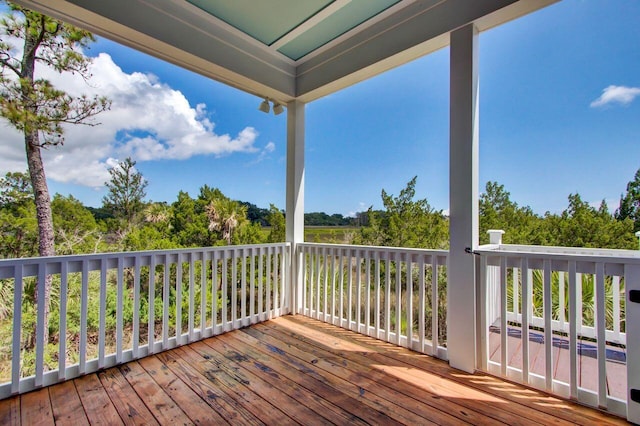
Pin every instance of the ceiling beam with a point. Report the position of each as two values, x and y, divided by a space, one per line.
310 23
181 35
415 31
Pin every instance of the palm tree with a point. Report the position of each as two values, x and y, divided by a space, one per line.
587 291
156 213
225 216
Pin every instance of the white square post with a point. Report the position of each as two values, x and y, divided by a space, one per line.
632 288
295 196
463 198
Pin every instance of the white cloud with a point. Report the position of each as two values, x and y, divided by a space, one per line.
270 147
148 121
264 153
616 94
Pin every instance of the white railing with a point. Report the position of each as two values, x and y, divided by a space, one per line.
547 309
393 294
614 296
101 313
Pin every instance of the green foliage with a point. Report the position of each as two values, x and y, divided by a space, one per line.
154 232
189 223
147 237
497 211
18 223
277 223
331 234
225 217
15 189
34 105
630 203
256 214
405 222
323 219
126 191
100 213
249 233
581 225
19 231
76 228
212 219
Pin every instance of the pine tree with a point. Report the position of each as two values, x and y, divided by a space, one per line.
126 191
630 203
35 107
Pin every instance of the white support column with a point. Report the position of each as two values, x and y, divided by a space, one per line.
632 284
295 195
463 198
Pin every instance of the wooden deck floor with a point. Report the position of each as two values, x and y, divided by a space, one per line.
292 370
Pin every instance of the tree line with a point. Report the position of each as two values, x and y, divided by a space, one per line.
407 222
126 222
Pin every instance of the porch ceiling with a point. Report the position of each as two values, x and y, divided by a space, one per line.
284 49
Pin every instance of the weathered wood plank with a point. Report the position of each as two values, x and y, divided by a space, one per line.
97 404
428 388
35 408
327 387
266 389
198 411
324 411
484 407
66 405
398 396
215 397
297 370
157 401
130 407
10 411
235 384
521 400
439 394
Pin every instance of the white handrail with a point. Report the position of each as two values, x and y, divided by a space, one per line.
379 291
525 290
114 282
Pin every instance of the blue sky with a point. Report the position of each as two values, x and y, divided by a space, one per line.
543 132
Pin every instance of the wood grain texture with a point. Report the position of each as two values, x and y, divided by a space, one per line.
198 411
293 370
131 408
97 404
35 408
66 405
164 409
10 411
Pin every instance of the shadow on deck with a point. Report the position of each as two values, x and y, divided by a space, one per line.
291 370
